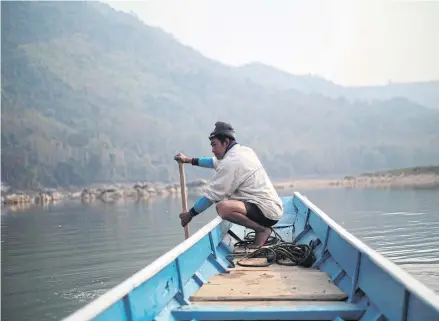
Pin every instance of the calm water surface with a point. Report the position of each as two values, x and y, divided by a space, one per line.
57 258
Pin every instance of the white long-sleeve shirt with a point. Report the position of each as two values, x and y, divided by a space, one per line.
241 176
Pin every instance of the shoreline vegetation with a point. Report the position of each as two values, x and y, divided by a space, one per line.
416 177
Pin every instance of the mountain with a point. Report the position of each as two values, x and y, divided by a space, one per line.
90 94
423 93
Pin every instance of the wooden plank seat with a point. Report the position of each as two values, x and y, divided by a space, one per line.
269 285
274 292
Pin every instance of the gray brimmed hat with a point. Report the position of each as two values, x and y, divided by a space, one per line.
222 128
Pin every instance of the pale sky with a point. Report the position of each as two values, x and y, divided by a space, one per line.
351 42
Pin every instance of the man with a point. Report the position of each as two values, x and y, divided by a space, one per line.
240 187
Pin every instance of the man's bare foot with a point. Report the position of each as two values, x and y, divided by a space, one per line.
261 237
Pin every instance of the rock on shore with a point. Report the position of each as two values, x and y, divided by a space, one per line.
106 194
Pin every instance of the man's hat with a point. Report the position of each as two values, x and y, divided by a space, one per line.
222 128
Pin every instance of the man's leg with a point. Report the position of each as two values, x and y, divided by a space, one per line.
235 212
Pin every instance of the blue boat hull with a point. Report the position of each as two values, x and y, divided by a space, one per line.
376 288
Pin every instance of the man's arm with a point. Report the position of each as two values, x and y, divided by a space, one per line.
207 162
224 183
200 206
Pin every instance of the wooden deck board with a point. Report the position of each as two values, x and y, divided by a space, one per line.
274 285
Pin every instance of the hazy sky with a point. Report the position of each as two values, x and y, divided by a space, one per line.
352 42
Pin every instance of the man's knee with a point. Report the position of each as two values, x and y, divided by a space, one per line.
228 207
223 209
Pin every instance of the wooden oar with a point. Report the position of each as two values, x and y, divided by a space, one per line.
183 196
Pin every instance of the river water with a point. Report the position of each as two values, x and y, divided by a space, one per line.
56 258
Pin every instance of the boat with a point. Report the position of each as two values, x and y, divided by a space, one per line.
214 275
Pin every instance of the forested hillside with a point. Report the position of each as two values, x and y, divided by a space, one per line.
90 94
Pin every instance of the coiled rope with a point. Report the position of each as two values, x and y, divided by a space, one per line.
276 250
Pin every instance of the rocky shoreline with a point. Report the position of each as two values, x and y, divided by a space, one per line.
105 194
145 191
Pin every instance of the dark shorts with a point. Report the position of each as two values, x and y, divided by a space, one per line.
255 214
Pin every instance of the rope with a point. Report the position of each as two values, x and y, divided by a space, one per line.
249 239
279 251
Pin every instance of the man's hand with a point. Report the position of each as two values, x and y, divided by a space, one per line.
185 218
181 158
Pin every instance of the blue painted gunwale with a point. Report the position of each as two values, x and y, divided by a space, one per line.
377 288
387 290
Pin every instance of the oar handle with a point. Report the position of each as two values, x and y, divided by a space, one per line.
183 196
